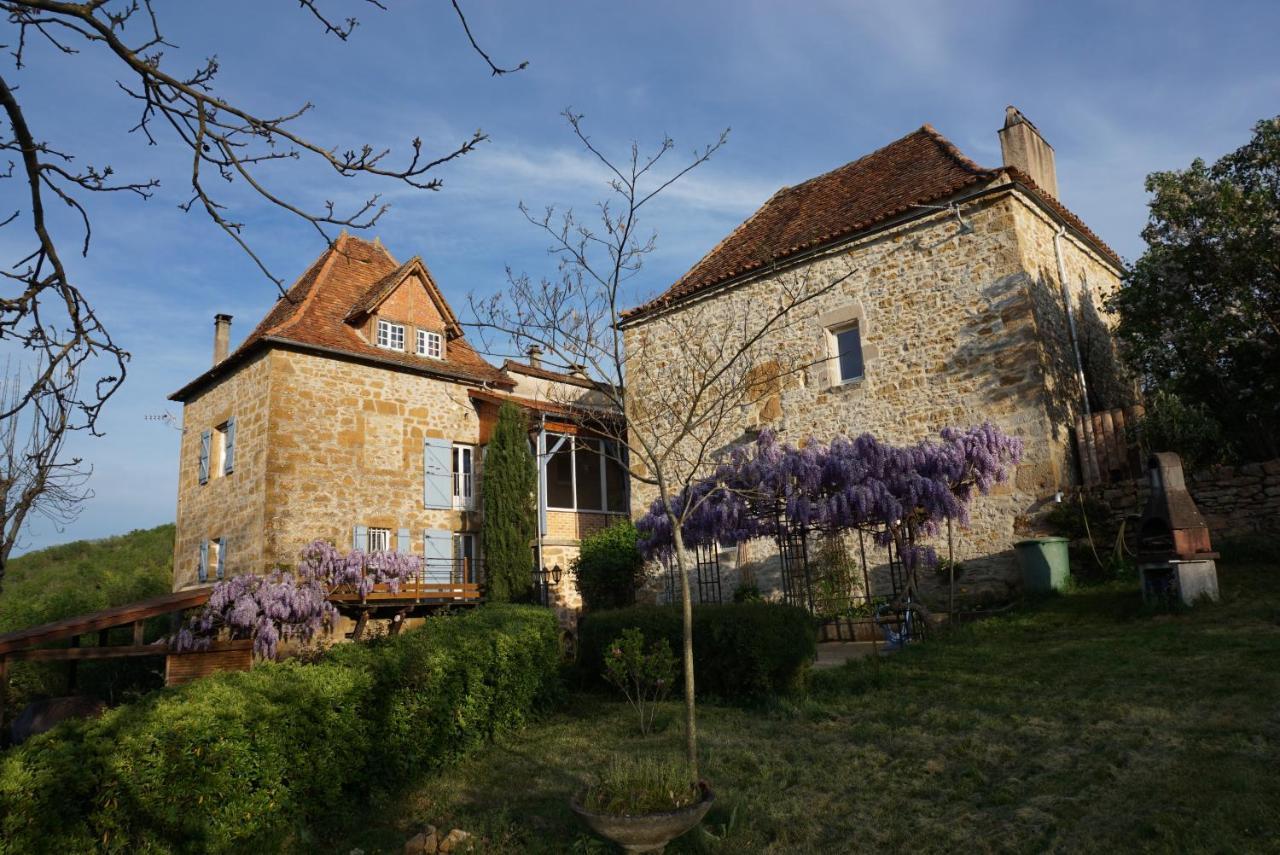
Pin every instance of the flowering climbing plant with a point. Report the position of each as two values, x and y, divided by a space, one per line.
898 493
292 604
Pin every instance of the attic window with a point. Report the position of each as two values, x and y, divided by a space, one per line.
430 344
390 336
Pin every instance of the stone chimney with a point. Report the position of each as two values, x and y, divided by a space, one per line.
221 337
578 370
535 355
1024 149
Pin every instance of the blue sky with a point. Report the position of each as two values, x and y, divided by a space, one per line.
1119 89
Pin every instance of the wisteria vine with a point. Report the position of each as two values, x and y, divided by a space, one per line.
292 605
898 493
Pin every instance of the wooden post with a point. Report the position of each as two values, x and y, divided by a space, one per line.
360 625
71 676
138 628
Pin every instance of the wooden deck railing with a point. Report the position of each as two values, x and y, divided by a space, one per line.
440 582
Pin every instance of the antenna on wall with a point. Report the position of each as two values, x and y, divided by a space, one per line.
167 418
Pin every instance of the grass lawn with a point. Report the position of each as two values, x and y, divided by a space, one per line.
1081 724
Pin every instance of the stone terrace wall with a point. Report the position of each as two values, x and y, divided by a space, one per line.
1235 500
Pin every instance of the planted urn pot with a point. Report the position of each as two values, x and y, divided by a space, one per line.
647 832
643 805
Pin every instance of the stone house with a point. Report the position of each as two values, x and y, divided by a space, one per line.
357 412
974 295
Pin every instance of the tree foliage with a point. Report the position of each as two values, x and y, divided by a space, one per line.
509 480
1200 310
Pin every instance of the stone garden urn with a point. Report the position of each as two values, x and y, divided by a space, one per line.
645 832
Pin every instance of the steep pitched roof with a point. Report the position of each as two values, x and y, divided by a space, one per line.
386 286
920 168
313 313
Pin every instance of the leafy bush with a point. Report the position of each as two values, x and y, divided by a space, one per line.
247 761
747 594
609 567
643 678
743 651
1190 429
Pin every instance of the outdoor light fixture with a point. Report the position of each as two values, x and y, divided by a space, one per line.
555 574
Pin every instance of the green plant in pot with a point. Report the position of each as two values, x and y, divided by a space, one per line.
642 804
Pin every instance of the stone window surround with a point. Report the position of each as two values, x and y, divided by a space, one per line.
838 320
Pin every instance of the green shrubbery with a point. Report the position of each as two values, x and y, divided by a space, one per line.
741 651
609 567
248 761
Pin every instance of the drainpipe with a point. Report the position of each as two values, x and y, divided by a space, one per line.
540 448
1090 460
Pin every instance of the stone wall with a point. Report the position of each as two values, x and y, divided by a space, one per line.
346 449
1234 500
956 330
230 506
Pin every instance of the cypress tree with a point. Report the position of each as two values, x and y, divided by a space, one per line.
509 480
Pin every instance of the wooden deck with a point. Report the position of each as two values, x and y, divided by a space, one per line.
413 594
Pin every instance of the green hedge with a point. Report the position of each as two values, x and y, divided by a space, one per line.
248 761
741 651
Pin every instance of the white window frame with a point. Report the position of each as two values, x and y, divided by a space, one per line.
377 540
464 482
573 472
430 344
833 338
390 336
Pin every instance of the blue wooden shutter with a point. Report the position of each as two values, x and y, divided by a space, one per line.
437 473
229 453
206 440
402 541
222 557
437 545
202 572
359 538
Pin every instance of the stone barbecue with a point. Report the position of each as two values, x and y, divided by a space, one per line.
1175 554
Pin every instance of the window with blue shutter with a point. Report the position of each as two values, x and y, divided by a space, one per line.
202 571
222 558
437 473
229 448
206 441
437 546
403 546
360 538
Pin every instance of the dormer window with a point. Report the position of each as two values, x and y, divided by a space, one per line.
390 336
430 344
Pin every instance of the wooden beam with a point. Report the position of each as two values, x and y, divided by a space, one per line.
75 654
106 619
138 628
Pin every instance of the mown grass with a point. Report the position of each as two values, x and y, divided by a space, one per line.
1083 723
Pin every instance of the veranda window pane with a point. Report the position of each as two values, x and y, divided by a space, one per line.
590 488
615 479
559 474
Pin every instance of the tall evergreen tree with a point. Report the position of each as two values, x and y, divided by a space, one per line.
509 480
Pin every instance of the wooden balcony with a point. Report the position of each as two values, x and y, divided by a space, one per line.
442 582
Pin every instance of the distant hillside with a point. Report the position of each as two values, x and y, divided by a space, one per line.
85 576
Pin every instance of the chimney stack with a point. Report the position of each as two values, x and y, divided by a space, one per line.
221 337
1023 148
535 355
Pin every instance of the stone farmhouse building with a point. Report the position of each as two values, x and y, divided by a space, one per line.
357 412
975 295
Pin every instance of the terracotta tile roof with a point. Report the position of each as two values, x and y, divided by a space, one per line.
551 408
314 310
920 168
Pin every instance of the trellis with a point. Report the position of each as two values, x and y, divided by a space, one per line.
706 587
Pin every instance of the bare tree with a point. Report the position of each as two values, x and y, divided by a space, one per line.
34 477
45 312
695 406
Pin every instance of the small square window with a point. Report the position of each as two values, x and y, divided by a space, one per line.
430 344
848 353
390 336
379 540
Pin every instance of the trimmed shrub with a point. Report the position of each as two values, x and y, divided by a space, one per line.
609 567
247 761
742 651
